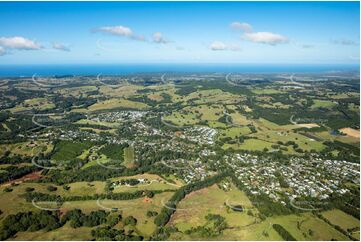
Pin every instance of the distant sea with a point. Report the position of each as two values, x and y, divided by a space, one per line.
122 69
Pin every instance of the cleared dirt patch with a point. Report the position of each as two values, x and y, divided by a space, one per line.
36 175
351 132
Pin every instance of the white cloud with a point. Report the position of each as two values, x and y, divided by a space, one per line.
265 38
60 46
2 51
120 31
219 46
258 37
116 30
19 43
242 26
158 38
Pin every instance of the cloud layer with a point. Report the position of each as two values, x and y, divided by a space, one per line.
158 38
60 46
220 46
241 26
258 37
127 32
120 31
19 43
2 51
265 38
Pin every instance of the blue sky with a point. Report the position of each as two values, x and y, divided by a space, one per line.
179 32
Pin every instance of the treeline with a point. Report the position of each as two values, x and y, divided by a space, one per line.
108 233
335 226
283 232
29 221
19 124
346 152
93 173
131 182
16 159
38 196
47 220
93 126
78 219
278 116
66 103
15 172
166 213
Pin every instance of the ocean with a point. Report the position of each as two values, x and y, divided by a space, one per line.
123 69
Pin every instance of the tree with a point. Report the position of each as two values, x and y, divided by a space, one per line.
152 213
149 194
8 189
29 189
51 188
130 220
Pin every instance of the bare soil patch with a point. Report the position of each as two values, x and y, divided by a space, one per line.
351 132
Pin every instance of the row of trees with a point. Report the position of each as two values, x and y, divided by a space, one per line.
110 234
29 221
38 196
15 159
337 227
50 220
14 172
283 232
78 219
